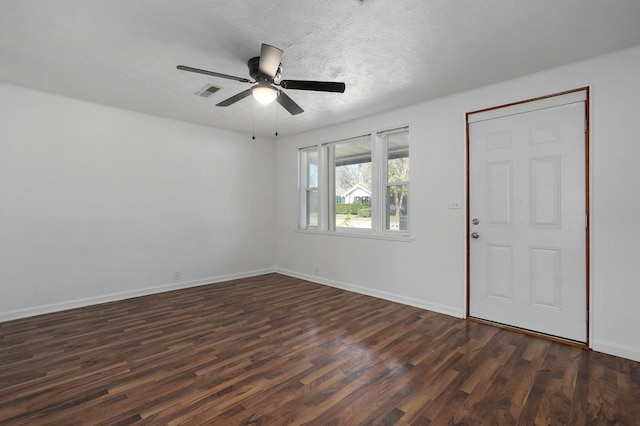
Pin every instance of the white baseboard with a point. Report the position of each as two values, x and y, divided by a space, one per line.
615 349
79 303
392 297
622 351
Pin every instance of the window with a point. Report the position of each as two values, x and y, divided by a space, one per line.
352 177
358 185
309 158
396 146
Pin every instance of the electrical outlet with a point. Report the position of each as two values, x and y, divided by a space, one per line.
317 270
177 275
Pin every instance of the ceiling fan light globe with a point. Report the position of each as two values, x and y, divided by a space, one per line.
264 95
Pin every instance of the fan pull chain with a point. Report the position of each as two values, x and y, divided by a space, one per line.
253 121
276 107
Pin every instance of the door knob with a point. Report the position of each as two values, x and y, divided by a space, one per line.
475 221
475 235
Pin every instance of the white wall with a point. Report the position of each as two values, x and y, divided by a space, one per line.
99 203
430 271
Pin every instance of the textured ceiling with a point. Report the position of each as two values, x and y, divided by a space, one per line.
390 53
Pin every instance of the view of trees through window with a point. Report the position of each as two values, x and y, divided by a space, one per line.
397 181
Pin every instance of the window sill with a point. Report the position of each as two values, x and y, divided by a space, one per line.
387 237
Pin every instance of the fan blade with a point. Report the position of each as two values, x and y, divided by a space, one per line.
215 74
318 86
288 103
235 98
270 58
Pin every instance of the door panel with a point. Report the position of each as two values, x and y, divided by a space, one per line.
527 188
499 193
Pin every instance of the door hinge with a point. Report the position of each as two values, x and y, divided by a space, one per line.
586 125
586 221
586 316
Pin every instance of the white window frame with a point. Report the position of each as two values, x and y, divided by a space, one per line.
329 166
303 167
326 189
384 181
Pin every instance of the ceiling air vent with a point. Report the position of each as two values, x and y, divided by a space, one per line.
207 91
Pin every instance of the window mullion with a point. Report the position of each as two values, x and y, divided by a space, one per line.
302 220
327 193
377 184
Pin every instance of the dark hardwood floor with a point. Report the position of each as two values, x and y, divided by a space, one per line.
275 350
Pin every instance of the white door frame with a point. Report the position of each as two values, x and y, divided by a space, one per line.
516 107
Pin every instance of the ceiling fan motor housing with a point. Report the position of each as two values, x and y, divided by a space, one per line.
259 77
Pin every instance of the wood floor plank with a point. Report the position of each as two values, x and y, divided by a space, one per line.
273 350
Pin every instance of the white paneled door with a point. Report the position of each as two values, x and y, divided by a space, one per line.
527 213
